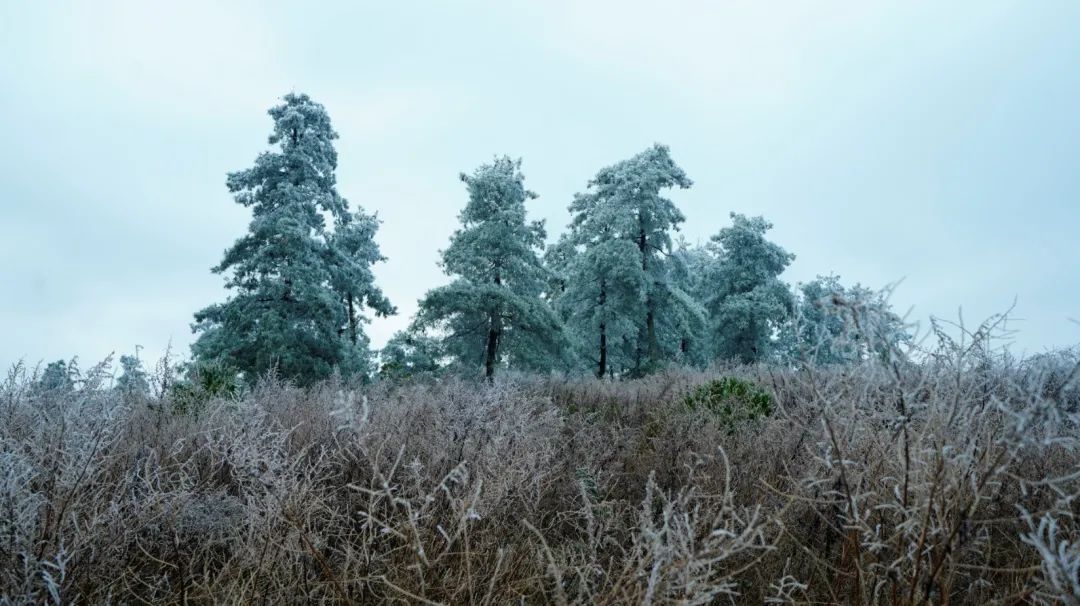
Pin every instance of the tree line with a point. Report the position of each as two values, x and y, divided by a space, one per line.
617 294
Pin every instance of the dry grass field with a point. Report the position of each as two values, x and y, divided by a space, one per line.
950 481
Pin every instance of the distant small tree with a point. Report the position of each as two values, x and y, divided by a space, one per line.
687 321
493 312
352 251
297 286
409 353
58 377
558 261
133 380
834 324
746 301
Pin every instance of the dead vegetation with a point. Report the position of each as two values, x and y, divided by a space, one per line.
950 481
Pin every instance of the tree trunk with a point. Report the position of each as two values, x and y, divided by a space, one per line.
650 319
492 350
650 332
352 320
602 367
641 243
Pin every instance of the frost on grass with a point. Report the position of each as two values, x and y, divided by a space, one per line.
886 482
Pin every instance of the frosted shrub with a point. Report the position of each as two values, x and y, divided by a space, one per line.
952 479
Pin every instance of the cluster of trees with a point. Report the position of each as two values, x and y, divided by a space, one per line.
616 295
61 378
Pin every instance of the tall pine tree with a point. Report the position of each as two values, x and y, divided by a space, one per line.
620 297
493 312
297 285
746 300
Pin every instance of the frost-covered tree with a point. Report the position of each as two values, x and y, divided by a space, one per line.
603 299
558 260
834 324
687 267
133 381
746 300
410 353
352 252
58 377
493 312
297 285
619 297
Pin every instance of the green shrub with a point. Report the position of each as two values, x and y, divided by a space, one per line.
204 382
733 401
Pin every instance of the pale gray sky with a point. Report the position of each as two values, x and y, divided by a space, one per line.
930 141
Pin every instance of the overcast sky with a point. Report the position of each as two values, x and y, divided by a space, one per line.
934 142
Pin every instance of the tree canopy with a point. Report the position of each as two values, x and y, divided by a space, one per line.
833 324
297 284
492 314
619 295
742 291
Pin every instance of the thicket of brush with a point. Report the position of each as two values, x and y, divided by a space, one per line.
954 480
